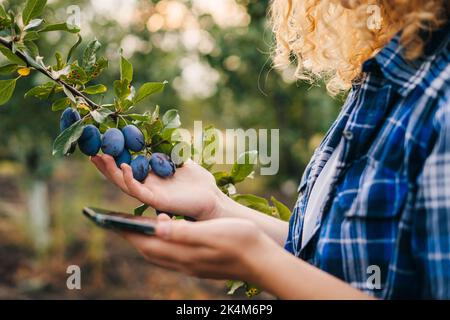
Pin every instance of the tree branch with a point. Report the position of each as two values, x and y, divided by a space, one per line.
32 63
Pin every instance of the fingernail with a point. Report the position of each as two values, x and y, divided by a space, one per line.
163 229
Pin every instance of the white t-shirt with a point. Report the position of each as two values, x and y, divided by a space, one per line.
319 192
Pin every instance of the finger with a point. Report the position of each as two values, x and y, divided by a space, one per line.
163 217
189 162
153 259
115 174
192 260
98 162
155 248
135 188
186 232
164 264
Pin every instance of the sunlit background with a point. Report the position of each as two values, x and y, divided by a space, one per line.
215 54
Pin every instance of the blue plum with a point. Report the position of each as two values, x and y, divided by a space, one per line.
113 142
90 140
162 165
134 139
68 117
140 167
124 157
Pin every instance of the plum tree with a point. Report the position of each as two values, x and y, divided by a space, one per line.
134 138
162 165
140 167
113 142
72 87
90 140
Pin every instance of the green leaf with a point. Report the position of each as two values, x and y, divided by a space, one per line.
167 133
8 69
126 69
244 166
122 89
6 90
100 114
33 24
42 91
11 56
77 75
5 23
64 26
138 211
69 94
153 128
98 67
33 9
5 19
59 61
96 89
110 106
254 202
155 114
3 14
283 211
233 285
60 104
222 178
31 35
27 47
171 119
90 54
109 123
163 147
69 136
148 89
31 48
138 117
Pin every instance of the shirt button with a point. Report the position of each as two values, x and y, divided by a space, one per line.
348 134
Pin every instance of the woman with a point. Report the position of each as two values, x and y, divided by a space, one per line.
373 215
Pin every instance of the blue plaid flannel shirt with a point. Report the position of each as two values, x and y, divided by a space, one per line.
387 216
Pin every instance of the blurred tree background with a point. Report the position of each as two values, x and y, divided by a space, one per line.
216 57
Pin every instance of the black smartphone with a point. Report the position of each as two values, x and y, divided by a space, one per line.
120 221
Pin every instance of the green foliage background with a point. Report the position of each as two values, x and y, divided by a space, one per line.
253 95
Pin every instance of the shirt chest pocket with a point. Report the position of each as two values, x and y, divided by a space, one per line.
372 191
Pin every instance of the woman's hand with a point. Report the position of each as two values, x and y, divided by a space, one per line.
237 249
226 248
192 191
246 248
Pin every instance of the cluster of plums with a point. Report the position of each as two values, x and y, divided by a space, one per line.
119 143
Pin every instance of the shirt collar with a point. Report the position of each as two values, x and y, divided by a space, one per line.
403 73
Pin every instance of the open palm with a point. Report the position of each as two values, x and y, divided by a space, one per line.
192 191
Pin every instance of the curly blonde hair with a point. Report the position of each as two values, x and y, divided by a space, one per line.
331 39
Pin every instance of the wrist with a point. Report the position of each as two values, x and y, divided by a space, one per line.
258 260
223 206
